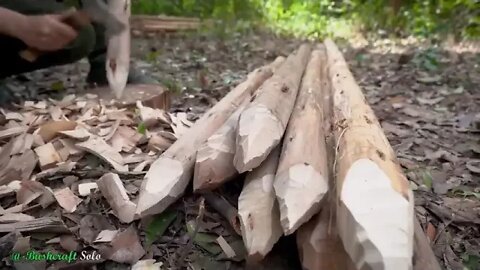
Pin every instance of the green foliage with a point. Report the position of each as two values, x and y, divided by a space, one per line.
159 225
319 18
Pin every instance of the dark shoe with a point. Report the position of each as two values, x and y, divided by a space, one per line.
98 76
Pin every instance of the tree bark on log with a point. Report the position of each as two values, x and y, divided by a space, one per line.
374 200
319 246
258 210
302 181
118 48
423 257
262 124
169 175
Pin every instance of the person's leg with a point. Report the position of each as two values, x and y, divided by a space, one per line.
11 62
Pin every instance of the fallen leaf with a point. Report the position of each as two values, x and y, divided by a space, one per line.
125 247
49 130
106 236
473 166
429 79
69 243
147 265
159 225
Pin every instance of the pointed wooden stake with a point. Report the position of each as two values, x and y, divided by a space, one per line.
214 164
258 210
423 257
263 122
319 246
302 176
375 203
170 174
118 48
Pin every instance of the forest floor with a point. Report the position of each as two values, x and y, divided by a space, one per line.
426 98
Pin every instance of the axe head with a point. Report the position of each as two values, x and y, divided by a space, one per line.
97 11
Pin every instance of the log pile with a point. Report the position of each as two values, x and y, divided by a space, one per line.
298 132
346 198
161 23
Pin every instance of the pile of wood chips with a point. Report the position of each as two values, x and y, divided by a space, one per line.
315 160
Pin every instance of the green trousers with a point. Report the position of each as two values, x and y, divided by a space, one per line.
89 43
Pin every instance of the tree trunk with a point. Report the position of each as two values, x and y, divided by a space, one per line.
263 122
170 174
301 181
374 200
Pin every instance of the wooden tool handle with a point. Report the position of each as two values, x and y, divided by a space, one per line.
74 18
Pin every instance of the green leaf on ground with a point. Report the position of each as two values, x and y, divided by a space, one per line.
470 262
57 86
159 225
205 240
427 179
142 129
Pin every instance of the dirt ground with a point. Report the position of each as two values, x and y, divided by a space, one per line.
426 97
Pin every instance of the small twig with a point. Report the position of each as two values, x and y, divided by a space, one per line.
224 208
189 245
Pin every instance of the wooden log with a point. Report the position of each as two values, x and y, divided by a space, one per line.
263 122
45 224
374 200
118 48
214 164
258 210
423 257
169 175
319 246
302 176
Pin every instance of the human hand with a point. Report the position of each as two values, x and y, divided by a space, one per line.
46 32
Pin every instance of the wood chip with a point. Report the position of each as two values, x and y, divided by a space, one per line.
66 199
29 191
80 134
85 188
46 224
10 132
15 217
227 249
49 130
114 192
98 147
47 156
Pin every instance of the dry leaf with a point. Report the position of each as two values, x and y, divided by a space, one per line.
125 247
